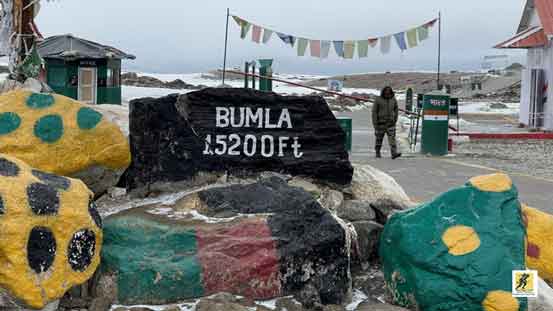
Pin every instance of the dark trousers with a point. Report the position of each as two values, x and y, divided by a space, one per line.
389 130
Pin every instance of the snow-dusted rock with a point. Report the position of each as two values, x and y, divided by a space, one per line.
378 189
544 301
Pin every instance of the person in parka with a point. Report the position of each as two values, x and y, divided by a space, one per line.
385 113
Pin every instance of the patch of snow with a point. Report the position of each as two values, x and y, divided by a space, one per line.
462 122
182 307
269 304
485 108
133 92
129 93
358 298
171 197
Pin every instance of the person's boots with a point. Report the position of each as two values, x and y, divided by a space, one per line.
378 155
395 154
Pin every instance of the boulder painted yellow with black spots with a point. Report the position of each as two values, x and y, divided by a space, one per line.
59 135
50 233
539 246
458 251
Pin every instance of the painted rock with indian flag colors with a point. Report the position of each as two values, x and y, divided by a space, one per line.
458 251
261 241
59 135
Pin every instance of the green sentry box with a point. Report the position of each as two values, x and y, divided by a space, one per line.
435 125
265 70
346 125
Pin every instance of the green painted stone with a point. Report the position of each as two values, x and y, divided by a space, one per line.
40 101
9 122
49 128
148 269
88 118
421 273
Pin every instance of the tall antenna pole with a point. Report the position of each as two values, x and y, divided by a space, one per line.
226 44
439 46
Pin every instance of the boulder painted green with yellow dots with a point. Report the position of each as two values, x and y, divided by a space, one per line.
458 251
59 135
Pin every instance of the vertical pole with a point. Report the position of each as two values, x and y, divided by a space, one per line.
439 47
253 77
246 78
226 44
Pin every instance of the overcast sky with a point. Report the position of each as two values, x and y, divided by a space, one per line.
181 36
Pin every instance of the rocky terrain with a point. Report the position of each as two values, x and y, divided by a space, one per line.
516 157
133 79
494 87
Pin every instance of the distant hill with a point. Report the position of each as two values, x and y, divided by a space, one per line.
515 67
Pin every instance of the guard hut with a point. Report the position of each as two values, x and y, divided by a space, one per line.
535 34
84 70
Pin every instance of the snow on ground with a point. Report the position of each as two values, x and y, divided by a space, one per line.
182 307
131 92
358 298
486 108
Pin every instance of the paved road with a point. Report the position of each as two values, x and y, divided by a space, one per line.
423 178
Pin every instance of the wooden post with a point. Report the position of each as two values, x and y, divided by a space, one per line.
27 33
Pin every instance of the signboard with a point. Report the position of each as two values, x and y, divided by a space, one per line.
435 126
409 99
420 100
335 85
218 130
87 63
454 107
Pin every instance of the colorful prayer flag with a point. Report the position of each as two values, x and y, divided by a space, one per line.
339 48
400 40
412 38
385 44
244 29
349 49
373 42
267 33
431 23
302 46
315 46
325 48
256 34
238 20
423 33
346 49
287 39
362 48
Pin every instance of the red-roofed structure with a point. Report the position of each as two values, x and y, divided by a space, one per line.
535 34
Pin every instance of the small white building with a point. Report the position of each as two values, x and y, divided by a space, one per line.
535 34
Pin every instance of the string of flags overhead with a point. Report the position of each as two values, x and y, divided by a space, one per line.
343 48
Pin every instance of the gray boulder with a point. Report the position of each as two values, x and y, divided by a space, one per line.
544 301
355 210
368 235
378 189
